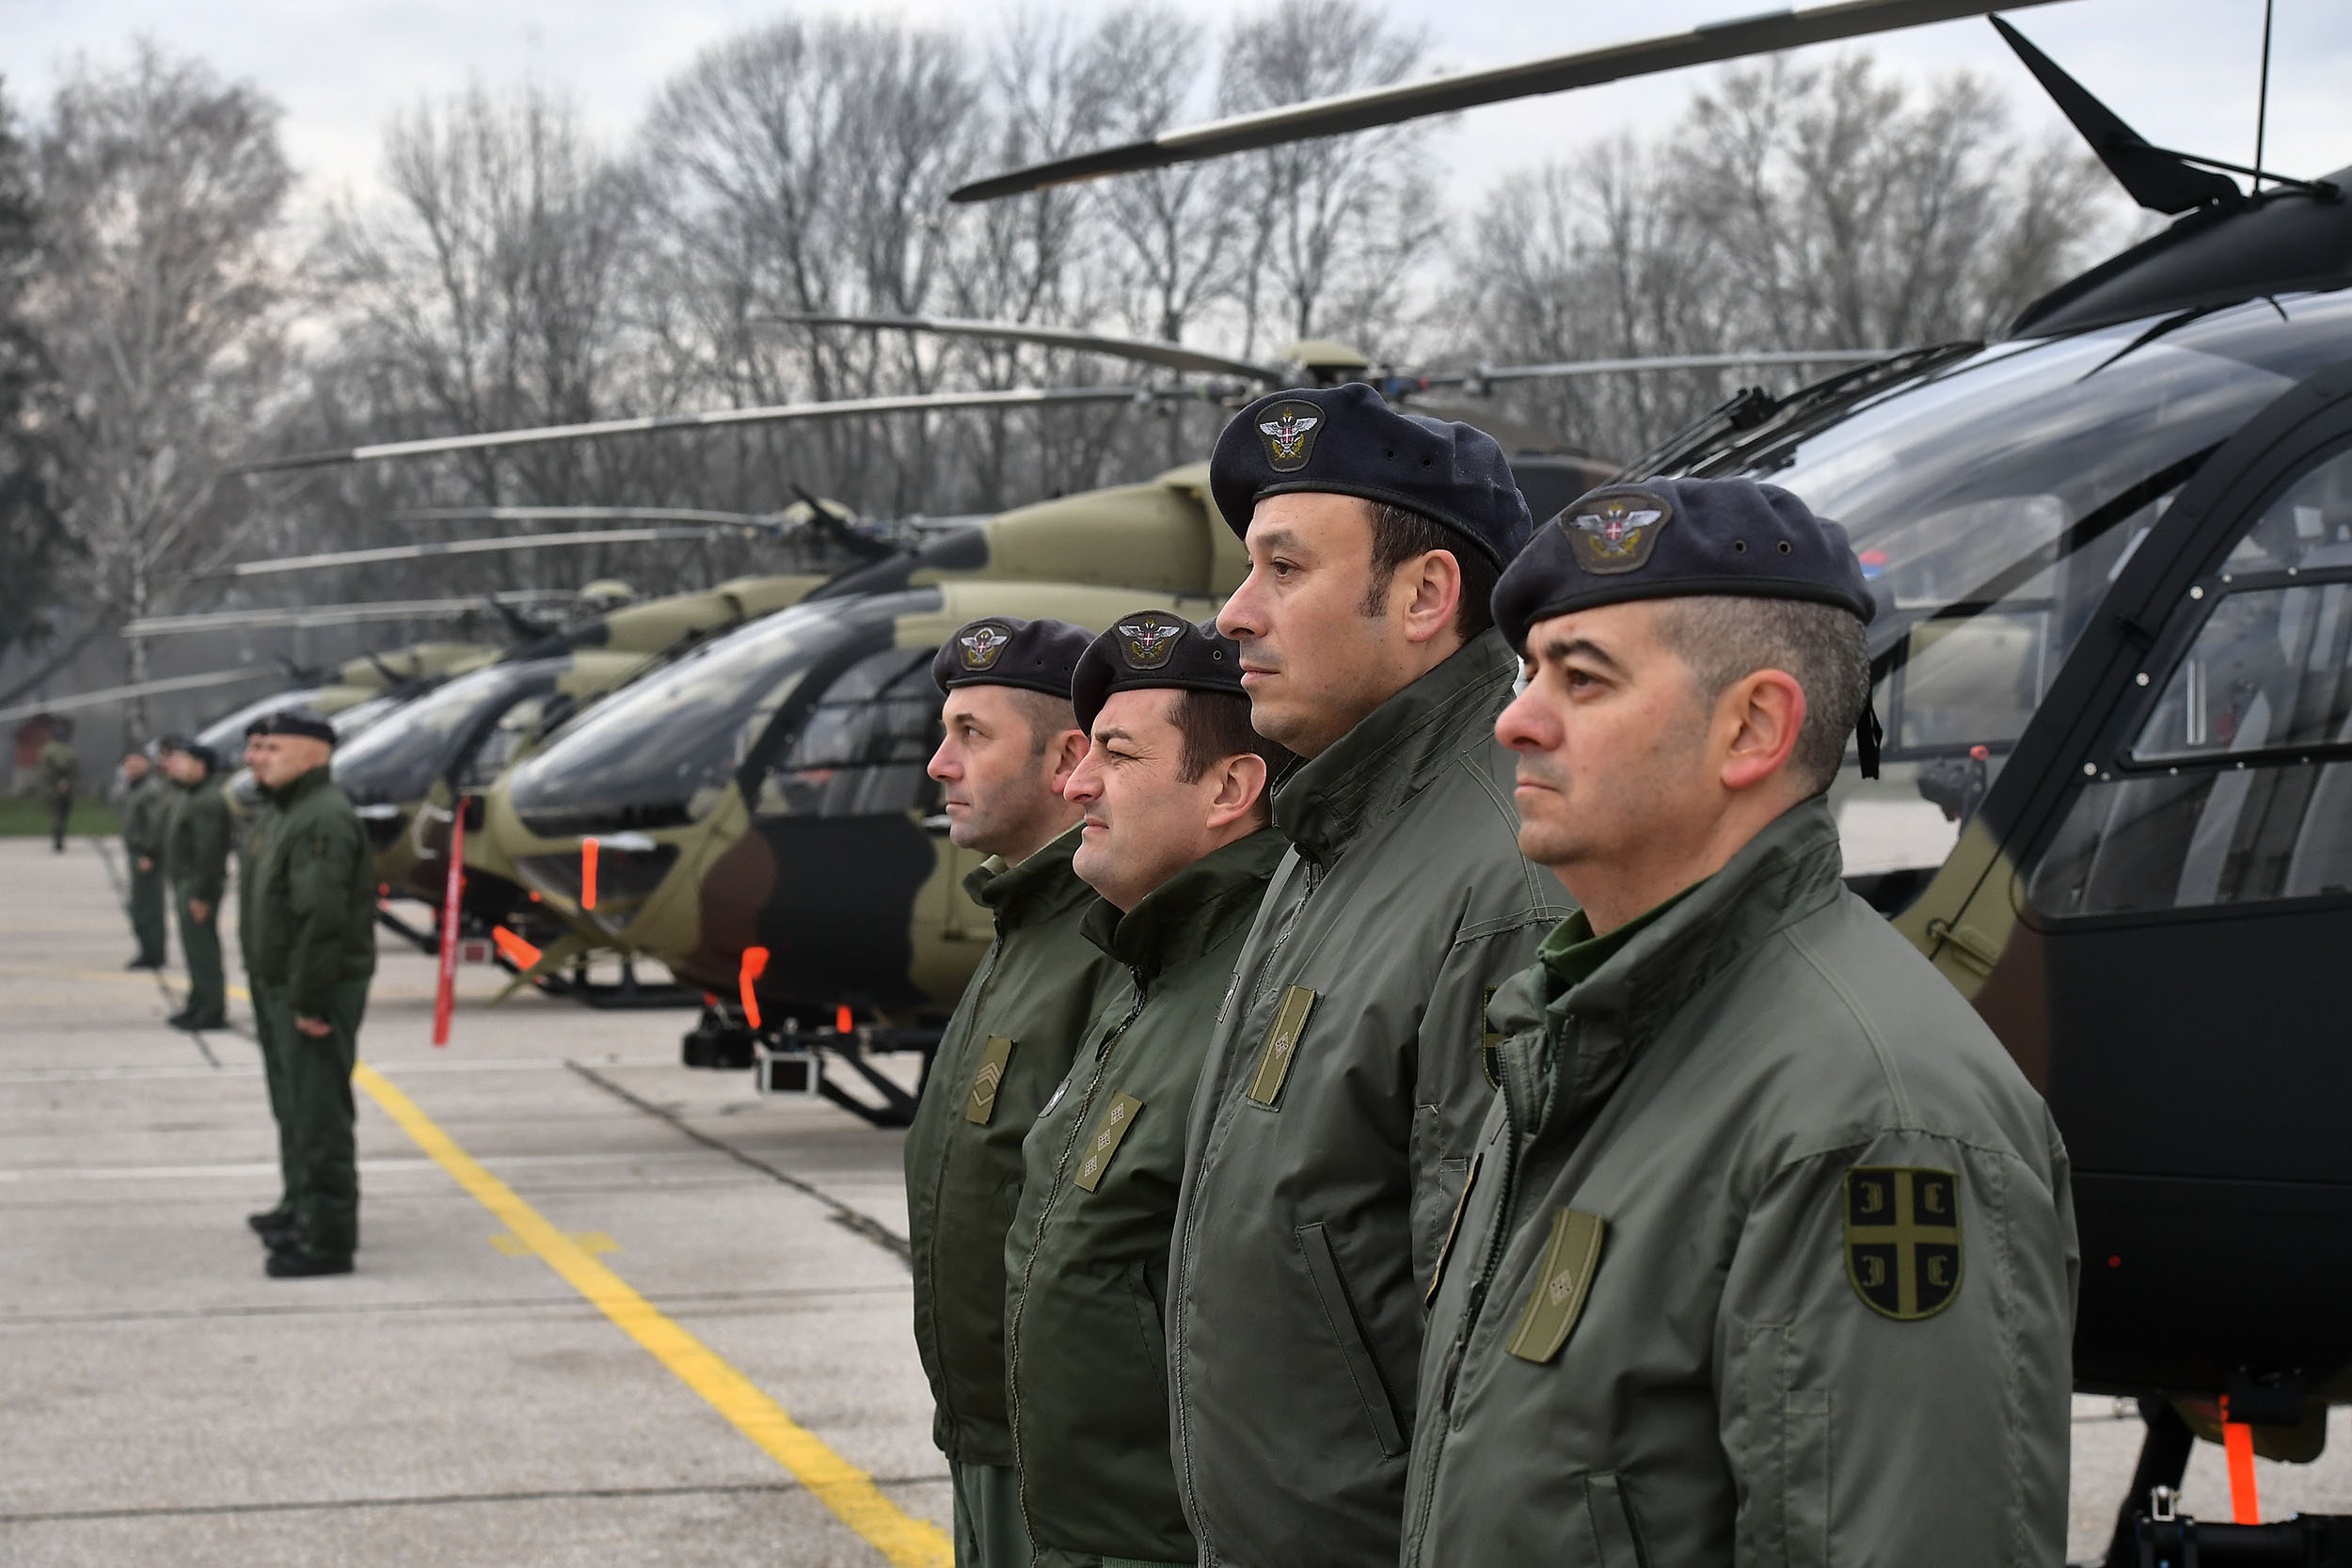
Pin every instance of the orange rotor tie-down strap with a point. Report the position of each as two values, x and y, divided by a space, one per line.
755 965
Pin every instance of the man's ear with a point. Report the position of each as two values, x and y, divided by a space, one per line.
1240 784
1760 717
1428 591
1071 750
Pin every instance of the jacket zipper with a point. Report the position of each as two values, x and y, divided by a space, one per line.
1044 1218
939 1191
1176 1403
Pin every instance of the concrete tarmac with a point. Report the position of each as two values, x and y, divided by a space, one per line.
459 1400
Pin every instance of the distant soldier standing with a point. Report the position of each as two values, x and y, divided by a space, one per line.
197 858
313 951
274 1225
1347 1081
146 829
1769 1255
1011 744
1175 839
60 770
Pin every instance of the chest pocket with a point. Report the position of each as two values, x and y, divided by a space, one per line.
987 1080
1282 1046
1108 1133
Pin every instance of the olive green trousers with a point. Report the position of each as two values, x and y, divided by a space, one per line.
146 912
318 1116
989 1529
274 1076
199 948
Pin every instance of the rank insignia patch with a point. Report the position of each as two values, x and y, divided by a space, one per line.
982 646
1282 1046
982 1105
1107 1134
1902 1239
1556 1298
1616 533
1146 642
1288 432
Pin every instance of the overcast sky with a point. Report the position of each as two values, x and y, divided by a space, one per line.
2182 73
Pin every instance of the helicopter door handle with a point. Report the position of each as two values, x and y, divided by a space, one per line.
416 830
1971 944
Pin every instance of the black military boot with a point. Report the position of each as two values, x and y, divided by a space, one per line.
294 1263
268 1220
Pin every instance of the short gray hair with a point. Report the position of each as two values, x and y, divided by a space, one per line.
1046 715
1723 637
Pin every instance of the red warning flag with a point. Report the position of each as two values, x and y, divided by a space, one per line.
587 873
755 965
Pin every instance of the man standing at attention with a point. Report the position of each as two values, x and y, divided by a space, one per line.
197 859
146 826
1175 839
313 953
1346 1078
60 770
1011 744
1769 1256
276 1223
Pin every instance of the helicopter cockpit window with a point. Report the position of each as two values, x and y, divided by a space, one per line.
516 728
861 750
396 761
2237 815
1992 503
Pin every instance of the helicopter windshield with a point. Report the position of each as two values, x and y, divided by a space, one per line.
396 761
1993 500
662 752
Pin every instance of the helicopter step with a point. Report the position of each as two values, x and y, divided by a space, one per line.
788 1060
2153 1531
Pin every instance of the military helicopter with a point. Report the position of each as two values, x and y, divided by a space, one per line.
2113 561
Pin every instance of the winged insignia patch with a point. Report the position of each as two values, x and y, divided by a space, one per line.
1618 533
982 646
1289 434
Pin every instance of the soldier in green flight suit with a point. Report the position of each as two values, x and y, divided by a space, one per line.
1175 838
313 906
1346 1078
1768 1253
274 1225
198 861
146 830
1011 744
60 770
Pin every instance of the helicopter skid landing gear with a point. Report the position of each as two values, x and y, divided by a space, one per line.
790 1060
2151 1531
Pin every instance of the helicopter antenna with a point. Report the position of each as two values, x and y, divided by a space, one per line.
2262 100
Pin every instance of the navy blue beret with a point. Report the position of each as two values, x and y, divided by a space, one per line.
191 746
1005 650
302 721
1672 538
1152 649
1347 440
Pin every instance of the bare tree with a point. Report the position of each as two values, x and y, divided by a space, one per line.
1337 223
161 189
32 535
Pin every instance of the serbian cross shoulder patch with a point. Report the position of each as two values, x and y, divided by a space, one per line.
1902 1239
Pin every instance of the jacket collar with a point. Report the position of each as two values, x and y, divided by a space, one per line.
1593 1031
1395 751
1037 889
1192 912
308 784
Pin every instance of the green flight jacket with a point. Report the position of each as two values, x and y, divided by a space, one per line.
1006 1047
1344 1091
60 767
313 900
1085 1360
1769 1257
196 856
146 817
254 824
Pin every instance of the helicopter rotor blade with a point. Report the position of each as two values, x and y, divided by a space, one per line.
845 408
1567 368
113 694
1707 45
465 546
329 615
2159 180
580 514
1174 357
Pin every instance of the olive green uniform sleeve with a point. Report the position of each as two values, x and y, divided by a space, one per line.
1888 1432
145 816
323 858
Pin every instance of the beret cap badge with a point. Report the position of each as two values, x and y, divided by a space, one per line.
1618 533
1288 429
1147 640
982 645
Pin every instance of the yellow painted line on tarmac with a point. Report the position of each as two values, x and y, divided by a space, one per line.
903 1539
